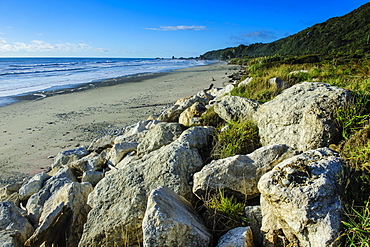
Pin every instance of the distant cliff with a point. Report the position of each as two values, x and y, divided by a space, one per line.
349 34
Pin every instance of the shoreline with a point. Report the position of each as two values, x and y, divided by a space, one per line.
38 95
33 131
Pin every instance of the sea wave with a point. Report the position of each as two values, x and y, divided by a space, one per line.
26 75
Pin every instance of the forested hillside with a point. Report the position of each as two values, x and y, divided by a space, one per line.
346 35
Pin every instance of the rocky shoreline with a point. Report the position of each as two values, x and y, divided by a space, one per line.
140 186
32 131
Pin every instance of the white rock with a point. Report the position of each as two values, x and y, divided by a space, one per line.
67 207
92 177
240 237
170 220
162 134
245 82
33 185
118 201
14 228
236 108
239 173
68 156
119 150
302 116
309 209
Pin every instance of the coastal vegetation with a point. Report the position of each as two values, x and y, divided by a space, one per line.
353 121
348 36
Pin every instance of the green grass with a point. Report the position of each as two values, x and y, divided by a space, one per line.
211 118
222 213
237 138
358 226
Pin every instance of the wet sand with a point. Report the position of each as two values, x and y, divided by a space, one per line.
35 130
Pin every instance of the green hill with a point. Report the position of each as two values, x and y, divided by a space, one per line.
346 35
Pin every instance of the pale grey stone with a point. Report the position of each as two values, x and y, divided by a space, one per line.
162 134
309 209
14 228
195 110
240 237
254 216
119 200
302 116
35 203
92 177
279 83
68 156
93 161
10 188
170 220
65 211
240 173
101 143
119 150
235 108
172 114
33 185
245 82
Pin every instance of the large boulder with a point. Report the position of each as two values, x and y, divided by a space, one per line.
93 161
302 116
64 214
35 203
239 174
68 156
33 185
172 114
118 200
170 220
162 134
119 150
220 92
240 237
195 111
14 228
300 197
236 108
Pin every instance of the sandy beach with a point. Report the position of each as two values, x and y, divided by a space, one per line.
34 131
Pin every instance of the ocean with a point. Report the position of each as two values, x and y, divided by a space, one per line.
35 76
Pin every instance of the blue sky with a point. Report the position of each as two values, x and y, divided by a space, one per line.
160 28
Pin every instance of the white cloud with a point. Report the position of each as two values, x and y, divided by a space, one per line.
255 36
42 46
179 28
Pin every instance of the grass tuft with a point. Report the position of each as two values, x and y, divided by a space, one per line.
237 138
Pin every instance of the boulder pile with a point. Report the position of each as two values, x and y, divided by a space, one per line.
145 186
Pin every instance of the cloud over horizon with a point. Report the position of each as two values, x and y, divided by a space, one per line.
179 28
42 46
255 36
